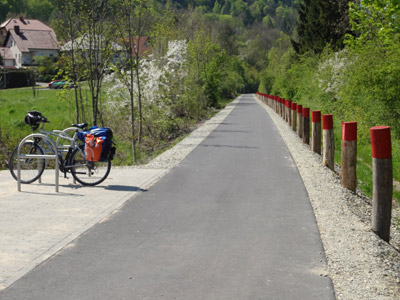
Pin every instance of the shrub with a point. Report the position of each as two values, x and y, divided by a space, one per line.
20 78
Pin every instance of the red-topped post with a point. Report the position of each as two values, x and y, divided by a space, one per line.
328 157
348 174
382 169
300 120
316 131
294 112
278 105
289 112
306 125
286 110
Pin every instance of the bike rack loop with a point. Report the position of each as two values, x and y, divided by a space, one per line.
55 156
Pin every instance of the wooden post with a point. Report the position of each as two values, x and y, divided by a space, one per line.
294 115
328 157
285 110
300 120
273 103
276 105
281 107
316 131
382 169
348 174
306 125
289 113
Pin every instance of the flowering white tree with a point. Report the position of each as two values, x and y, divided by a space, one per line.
161 82
330 72
158 78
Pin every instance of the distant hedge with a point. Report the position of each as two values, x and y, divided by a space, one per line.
19 78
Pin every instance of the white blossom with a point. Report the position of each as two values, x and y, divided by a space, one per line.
156 78
330 72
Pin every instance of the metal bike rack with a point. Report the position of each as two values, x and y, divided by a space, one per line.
37 156
64 135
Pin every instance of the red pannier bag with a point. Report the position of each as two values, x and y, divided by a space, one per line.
93 147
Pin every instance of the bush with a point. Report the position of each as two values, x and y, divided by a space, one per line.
20 78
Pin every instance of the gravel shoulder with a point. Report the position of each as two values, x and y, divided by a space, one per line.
361 265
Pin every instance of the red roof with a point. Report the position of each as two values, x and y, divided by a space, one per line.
25 24
30 34
143 43
28 40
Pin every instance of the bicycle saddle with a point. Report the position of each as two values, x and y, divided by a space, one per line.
81 125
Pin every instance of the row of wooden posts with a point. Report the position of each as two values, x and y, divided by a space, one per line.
298 118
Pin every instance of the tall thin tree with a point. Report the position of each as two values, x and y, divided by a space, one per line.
131 22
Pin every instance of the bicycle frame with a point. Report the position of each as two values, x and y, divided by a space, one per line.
62 134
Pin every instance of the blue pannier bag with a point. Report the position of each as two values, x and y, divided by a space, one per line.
82 134
106 134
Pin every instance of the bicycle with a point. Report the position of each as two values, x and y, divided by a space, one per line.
88 173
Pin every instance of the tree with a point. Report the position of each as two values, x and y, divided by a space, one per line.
68 14
18 6
40 9
321 22
217 8
4 9
206 59
96 47
131 23
372 19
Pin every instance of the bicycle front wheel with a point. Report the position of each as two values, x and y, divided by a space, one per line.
31 168
88 172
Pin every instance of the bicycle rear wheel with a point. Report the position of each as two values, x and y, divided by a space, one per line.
88 172
31 168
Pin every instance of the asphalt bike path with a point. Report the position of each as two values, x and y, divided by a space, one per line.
231 221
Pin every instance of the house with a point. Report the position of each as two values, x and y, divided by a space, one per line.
27 38
8 58
94 46
143 44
